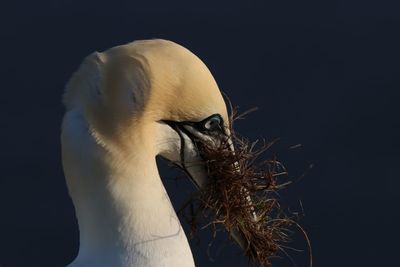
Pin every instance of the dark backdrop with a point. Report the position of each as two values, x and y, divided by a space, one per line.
324 74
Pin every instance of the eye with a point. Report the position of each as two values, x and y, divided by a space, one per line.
213 124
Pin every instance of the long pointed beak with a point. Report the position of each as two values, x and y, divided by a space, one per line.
195 167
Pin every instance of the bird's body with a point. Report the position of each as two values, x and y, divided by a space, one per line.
111 135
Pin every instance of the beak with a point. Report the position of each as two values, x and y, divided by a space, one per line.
190 160
195 166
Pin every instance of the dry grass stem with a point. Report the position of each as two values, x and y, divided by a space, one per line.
242 197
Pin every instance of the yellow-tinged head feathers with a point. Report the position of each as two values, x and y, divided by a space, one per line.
141 82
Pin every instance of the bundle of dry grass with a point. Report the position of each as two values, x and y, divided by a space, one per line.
241 196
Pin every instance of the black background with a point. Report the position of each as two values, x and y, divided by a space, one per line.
324 74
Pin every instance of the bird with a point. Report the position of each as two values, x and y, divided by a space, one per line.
124 107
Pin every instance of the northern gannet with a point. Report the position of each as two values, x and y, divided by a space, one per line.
124 107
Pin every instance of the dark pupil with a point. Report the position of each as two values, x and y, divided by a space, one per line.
212 124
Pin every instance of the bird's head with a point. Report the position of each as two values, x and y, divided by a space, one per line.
155 88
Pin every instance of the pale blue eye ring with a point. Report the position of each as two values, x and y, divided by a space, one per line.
213 124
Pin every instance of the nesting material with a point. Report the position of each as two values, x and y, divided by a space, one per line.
242 196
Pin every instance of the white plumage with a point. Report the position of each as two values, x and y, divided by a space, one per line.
111 134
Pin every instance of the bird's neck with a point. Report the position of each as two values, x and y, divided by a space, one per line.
124 214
